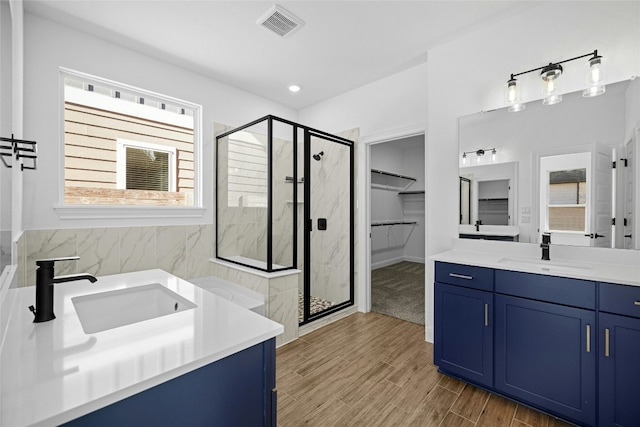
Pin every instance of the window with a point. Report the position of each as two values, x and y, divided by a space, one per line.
567 200
144 166
128 146
247 169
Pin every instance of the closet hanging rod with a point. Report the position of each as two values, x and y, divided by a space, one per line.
411 192
392 174
380 224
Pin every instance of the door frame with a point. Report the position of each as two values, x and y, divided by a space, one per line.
364 204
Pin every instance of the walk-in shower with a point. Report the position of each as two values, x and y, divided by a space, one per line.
277 210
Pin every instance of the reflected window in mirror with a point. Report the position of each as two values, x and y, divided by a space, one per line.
567 207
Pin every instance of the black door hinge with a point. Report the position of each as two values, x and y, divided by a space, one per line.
613 165
613 221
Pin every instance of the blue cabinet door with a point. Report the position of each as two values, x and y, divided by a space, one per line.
619 369
464 333
545 355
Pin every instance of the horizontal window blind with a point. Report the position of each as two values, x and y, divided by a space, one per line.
147 169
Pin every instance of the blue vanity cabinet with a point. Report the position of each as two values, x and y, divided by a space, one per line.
619 355
545 343
238 390
464 322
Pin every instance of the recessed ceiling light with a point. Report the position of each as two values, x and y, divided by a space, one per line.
294 88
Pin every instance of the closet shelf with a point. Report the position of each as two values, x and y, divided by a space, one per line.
380 224
390 180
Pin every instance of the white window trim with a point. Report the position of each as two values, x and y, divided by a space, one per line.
121 161
80 212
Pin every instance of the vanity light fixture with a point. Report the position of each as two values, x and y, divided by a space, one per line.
512 96
550 88
594 77
550 74
479 153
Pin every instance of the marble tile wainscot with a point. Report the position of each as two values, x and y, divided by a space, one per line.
182 250
280 290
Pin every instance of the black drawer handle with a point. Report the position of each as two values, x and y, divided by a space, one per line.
460 276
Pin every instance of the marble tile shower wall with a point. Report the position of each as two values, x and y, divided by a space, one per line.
183 250
330 199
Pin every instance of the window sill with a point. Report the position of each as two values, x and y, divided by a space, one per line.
129 212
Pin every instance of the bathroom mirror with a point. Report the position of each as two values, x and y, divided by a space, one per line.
603 129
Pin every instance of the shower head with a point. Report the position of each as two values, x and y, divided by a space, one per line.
318 156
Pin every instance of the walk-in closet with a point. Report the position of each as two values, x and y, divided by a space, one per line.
397 228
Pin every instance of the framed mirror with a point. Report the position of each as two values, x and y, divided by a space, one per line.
558 162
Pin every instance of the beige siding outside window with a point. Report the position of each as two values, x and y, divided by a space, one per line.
567 200
123 147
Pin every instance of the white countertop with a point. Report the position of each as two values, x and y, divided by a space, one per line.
53 372
517 257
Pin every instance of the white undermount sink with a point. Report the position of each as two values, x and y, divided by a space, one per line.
546 266
107 310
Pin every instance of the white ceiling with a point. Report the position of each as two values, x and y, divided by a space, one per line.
344 44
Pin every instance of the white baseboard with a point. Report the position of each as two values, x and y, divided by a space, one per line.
386 262
396 260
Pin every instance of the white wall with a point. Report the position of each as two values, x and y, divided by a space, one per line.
468 75
50 45
632 108
394 102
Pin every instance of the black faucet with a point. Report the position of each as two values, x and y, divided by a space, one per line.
546 242
478 224
45 280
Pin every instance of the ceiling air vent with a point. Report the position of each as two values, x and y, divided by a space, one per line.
280 21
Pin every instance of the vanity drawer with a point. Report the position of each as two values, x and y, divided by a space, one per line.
620 299
559 290
465 275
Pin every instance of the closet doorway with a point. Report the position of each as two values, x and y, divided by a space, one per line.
397 228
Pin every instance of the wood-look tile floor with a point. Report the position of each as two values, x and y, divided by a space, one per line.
375 370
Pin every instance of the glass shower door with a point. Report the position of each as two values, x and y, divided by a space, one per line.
329 225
